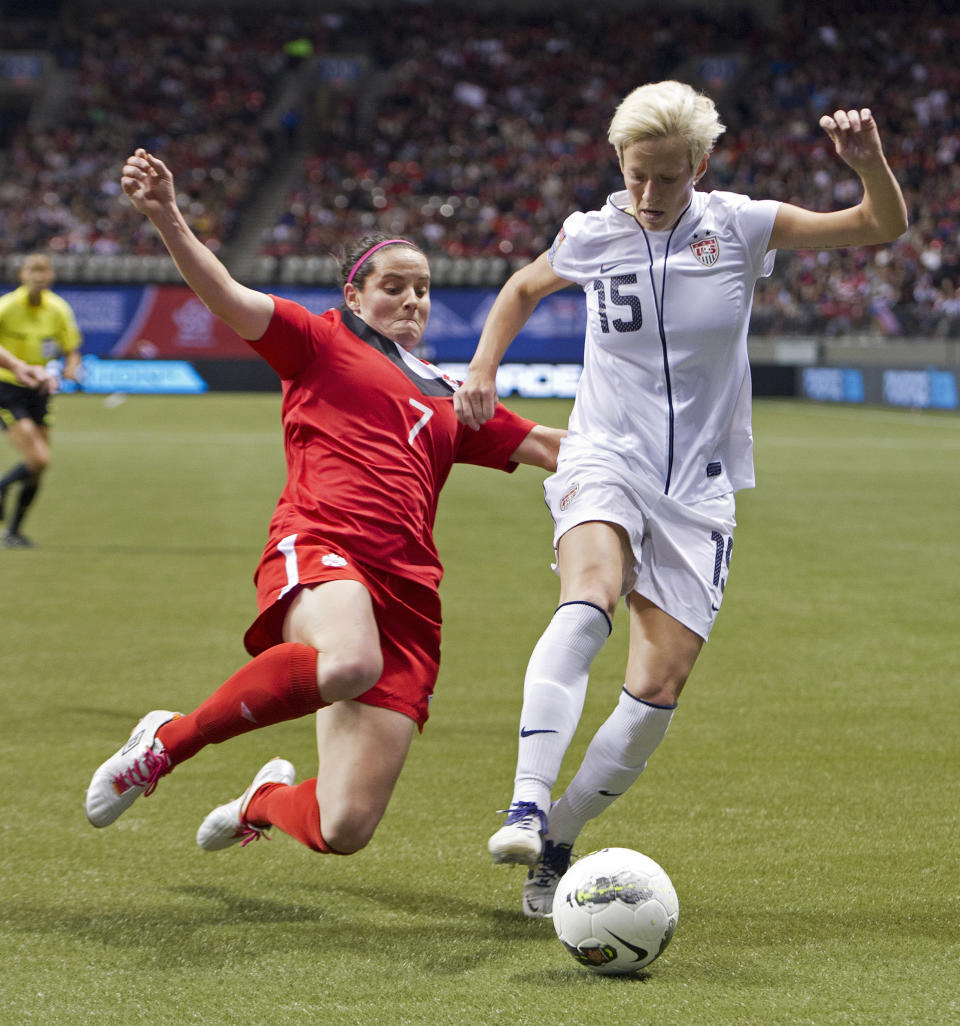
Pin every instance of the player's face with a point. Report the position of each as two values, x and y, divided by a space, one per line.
395 299
36 274
658 176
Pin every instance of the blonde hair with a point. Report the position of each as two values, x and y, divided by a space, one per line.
667 108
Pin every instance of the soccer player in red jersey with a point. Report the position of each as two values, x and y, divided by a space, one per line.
347 587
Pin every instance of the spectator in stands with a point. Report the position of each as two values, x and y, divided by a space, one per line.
460 149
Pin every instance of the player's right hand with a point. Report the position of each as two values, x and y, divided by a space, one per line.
34 376
475 400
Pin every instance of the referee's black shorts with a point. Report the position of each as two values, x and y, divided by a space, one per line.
19 403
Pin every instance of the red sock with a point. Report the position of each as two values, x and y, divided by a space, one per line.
279 684
291 808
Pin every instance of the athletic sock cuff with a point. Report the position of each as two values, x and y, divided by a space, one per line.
303 677
588 605
652 705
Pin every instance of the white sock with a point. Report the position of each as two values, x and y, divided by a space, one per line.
553 693
614 759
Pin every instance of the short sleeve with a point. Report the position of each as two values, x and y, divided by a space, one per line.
755 221
495 442
70 337
566 255
292 339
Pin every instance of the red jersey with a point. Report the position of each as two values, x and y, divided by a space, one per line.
370 436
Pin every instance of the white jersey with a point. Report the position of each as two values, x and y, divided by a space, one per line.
665 389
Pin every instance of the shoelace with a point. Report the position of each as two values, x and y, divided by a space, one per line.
145 772
520 811
554 862
252 833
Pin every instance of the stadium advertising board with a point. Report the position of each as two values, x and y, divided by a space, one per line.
169 322
917 388
833 384
136 377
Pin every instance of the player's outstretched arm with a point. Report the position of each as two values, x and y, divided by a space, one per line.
540 448
475 400
880 216
148 184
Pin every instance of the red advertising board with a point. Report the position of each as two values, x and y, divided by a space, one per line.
171 323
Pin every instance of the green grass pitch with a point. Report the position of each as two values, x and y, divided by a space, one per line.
805 802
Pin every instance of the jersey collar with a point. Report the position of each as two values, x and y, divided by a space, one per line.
623 208
429 380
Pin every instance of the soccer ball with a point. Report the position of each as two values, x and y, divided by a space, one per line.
615 911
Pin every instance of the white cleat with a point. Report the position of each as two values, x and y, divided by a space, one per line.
520 839
226 825
131 772
541 883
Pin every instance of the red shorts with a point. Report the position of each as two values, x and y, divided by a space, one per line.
407 614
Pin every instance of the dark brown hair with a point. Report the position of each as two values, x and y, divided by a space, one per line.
355 252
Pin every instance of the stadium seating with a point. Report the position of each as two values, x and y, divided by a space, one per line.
477 135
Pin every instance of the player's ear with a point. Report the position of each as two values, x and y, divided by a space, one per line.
701 167
351 296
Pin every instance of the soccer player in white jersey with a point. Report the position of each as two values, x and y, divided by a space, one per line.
659 439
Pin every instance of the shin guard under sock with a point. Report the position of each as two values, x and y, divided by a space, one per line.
291 808
278 685
614 759
553 694
28 492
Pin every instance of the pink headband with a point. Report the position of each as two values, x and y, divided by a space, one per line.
371 251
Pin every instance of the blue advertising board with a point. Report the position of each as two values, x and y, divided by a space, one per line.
926 388
168 328
113 319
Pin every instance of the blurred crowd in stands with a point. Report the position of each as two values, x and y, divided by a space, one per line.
190 86
477 134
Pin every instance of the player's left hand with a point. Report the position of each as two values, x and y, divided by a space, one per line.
856 138
148 183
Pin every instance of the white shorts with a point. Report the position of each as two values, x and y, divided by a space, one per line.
681 552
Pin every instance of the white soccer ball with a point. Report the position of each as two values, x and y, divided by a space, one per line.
615 911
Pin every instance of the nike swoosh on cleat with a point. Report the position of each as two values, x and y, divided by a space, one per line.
526 733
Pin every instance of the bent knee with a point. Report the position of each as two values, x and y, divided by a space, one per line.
597 595
348 834
345 676
658 684
663 690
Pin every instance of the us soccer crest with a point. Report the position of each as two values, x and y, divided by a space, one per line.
707 250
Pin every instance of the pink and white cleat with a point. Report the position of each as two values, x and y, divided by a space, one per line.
226 825
131 772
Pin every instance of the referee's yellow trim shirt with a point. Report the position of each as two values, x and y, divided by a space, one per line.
36 334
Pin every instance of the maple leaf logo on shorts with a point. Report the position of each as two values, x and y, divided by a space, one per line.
332 559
